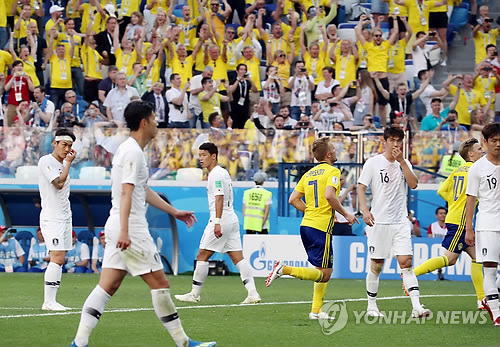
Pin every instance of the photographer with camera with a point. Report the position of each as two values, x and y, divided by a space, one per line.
438 119
92 114
178 103
65 117
301 85
484 35
18 85
11 252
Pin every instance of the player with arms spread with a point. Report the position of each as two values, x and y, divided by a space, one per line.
320 186
222 233
389 176
484 186
129 245
55 217
453 191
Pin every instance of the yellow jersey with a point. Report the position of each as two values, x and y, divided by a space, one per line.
64 39
220 70
187 36
481 40
125 61
396 63
401 11
319 214
210 106
345 69
50 23
5 61
128 7
30 69
91 62
60 73
377 56
486 87
453 191
283 71
467 102
315 65
22 32
253 70
418 14
71 9
3 14
183 68
163 4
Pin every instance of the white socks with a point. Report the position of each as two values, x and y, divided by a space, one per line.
498 282
91 312
411 284
371 290
247 277
167 314
52 280
490 290
199 276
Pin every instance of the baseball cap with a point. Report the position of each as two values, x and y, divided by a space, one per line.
101 233
111 10
96 103
260 177
56 8
3 228
74 234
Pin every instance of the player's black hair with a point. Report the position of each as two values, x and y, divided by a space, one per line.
490 130
136 111
393 132
441 208
65 132
210 148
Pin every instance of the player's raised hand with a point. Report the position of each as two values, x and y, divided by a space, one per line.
71 156
368 218
217 231
187 217
470 237
123 241
397 153
351 219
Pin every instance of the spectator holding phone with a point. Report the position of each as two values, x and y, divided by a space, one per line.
484 35
301 85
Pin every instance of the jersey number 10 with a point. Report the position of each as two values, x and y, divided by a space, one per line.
458 182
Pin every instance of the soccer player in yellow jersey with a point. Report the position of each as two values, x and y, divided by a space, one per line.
453 191
320 186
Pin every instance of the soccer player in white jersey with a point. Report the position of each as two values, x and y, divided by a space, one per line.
129 245
55 217
222 233
484 185
389 176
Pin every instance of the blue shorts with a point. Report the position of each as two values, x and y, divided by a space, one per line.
318 246
454 240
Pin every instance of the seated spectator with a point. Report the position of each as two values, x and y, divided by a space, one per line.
305 122
78 105
98 252
38 256
438 228
92 114
452 123
414 224
42 110
436 119
82 144
119 97
11 252
22 112
77 259
368 124
65 117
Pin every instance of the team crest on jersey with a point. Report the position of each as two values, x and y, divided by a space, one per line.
55 242
460 246
372 249
484 251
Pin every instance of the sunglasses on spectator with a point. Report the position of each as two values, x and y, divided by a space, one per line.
230 32
281 55
214 5
377 35
488 20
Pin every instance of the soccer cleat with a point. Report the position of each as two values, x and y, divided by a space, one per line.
251 299
73 344
192 343
319 315
374 313
404 287
189 297
487 308
480 306
54 306
276 273
497 322
421 312
443 63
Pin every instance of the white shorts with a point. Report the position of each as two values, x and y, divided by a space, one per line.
488 246
384 238
230 240
140 258
57 235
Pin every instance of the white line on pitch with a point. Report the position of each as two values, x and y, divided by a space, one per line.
209 306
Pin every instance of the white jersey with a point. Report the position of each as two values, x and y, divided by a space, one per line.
483 182
55 202
437 231
219 183
389 189
347 204
129 166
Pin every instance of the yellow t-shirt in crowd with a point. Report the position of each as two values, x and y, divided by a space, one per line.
19 34
220 71
187 35
60 72
183 68
163 4
315 65
403 10
486 87
91 62
345 69
396 62
5 61
377 56
253 70
3 15
64 39
71 9
30 69
467 102
128 7
283 71
418 15
319 214
125 61
210 106
481 40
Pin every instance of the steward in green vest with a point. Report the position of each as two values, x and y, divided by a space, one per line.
256 206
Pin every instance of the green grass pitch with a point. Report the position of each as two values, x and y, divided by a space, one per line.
282 319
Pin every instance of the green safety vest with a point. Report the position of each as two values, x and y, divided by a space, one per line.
447 167
255 204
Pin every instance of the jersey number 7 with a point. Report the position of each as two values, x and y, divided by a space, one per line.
315 184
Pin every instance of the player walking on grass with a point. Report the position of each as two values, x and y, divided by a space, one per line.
453 191
389 176
55 217
222 233
129 246
320 186
484 186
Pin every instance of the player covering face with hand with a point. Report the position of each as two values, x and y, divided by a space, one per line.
55 217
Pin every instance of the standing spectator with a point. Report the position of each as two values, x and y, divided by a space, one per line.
119 97
21 25
188 25
210 99
400 99
324 88
315 58
438 228
78 105
435 120
107 84
127 9
484 35
345 61
27 55
138 78
468 100
429 91
177 99
11 252
19 84
218 16
156 96
396 65
272 88
37 44
38 256
256 206
486 81
56 19
367 96
104 42
301 86
240 90
4 32
92 66
42 109
71 39
314 20
194 100
60 69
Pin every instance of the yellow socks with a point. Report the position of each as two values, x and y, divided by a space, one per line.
318 296
431 265
476 274
304 273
